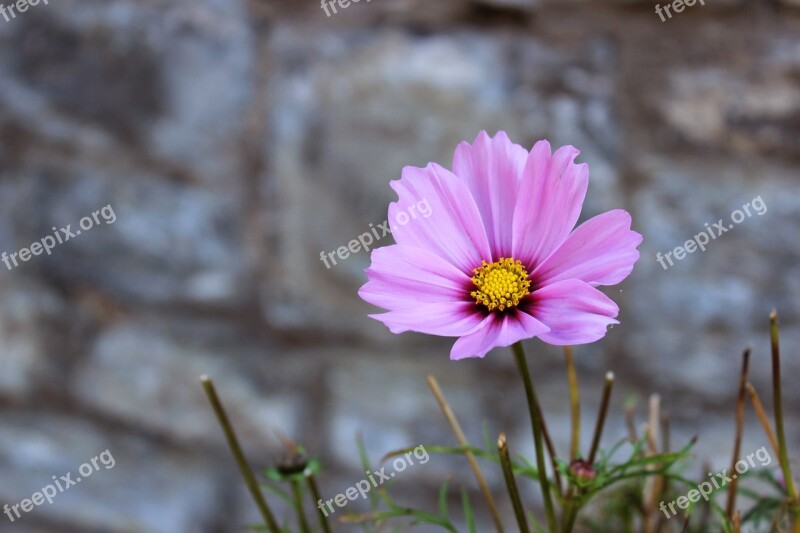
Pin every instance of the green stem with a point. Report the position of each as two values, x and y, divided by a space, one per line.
312 486
297 502
777 399
601 416
511 484
551 451
730 506
571 508
575 404
570 516
519 354
238 454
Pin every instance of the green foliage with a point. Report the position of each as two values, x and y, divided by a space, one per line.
615 492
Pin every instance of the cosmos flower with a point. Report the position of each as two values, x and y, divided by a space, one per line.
497 259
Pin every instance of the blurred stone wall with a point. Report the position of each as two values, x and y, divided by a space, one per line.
237 139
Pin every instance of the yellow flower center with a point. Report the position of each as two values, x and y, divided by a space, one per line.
500 285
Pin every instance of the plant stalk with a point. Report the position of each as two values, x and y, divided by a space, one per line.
778 400
601 416
519 354
783 449
758 407
571 508
737 442
511 484
312 487
297 503
574 404
551 451
462 441
238 454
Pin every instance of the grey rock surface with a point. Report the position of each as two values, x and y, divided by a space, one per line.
238 139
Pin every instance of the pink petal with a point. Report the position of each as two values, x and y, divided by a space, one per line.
422 291
601 251
492 169
447 319
550 200
496 331
404 277
450 225
575 312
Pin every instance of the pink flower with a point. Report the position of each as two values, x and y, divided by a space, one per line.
496 260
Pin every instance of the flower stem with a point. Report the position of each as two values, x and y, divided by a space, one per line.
462 441
511 484
297 502
551 451
758 407
601 416
312 487
737 441
778 401
570 516
238 454
519 354
572 507
575 404
653 485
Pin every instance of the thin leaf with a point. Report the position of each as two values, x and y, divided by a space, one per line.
443 498
469 517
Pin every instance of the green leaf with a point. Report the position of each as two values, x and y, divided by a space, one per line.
372 497
469 516
417 516
443 498
276 490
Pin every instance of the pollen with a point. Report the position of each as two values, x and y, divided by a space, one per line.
500 285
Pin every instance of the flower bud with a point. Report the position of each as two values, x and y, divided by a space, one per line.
582 471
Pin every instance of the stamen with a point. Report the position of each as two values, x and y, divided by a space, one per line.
501 284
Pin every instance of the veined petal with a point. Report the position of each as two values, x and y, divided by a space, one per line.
601 251
575 312
452 228
550 200
447 319
403 277
497 331
492 169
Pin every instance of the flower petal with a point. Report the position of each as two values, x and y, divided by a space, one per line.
492 169
496 331
550 200
404 276
436 211
575 312
447 319
601 251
